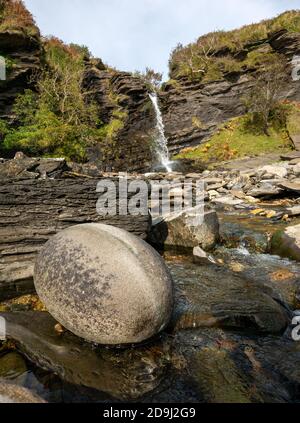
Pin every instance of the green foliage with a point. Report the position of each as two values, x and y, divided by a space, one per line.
4 130
26 106
213 55
109 132
58 119
263 98
293 119
241 137
150 78
48 135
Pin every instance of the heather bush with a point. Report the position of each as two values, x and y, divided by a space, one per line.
15 16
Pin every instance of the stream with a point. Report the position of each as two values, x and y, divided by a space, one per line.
228 341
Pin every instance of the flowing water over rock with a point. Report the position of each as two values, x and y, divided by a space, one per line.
229 341
161 144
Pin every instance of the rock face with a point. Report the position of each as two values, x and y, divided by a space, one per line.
25 52
212 103
183 230
287 243
104 284
113 91
133 146
32 210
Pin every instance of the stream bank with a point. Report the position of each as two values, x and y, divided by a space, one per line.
230 335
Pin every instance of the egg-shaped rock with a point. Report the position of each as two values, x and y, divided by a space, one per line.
104 284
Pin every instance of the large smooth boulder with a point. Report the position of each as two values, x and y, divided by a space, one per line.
286 243
183 230
104 284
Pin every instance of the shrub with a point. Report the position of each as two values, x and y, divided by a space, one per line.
15 16
58 119
264 97
202 59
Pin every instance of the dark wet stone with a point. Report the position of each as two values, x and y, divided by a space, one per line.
211 296
278 277
229 367
52 168
12 366
291 186
123 374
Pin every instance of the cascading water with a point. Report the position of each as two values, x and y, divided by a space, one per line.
161 141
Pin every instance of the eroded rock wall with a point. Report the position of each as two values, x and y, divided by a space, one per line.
215 102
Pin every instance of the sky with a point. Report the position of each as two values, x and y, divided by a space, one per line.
133 34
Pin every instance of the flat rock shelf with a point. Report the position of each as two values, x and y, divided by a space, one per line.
33 210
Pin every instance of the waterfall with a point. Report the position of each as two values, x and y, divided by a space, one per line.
161 140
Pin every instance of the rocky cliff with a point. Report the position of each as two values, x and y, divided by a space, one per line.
39 198
124 107
114 90
210 78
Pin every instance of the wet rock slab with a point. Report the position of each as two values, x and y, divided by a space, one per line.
278 277
212 296
227 367
125 374
196 365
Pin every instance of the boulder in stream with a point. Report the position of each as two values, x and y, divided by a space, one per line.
104 284
180 230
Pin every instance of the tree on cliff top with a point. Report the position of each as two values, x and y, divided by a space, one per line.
205 59
151 78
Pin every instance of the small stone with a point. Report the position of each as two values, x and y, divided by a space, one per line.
291 186
201 257
59 328
265 190
19 156
293 211
228 201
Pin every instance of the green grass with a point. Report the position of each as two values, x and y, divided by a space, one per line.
293 123
232 141
249 38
